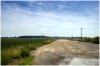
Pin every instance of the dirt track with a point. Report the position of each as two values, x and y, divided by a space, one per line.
66 52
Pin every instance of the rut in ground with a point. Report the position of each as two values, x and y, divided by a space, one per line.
64 51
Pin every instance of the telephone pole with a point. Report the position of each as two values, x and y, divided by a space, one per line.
81 32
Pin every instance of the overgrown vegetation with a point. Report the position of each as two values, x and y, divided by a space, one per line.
94 40
28 61
13 48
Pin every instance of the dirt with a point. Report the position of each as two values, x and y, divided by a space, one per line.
66 52
16 61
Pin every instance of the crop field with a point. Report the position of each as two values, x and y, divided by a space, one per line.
15 48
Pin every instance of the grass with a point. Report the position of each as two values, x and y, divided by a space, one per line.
94 40
14 48
24 53
27 61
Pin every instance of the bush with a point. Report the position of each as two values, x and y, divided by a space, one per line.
31 47
92 40
24 53
85 39
95 40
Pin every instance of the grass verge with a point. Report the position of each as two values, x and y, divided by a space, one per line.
94 40
12 48
28 61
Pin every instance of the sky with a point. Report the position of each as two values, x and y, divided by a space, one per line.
49 18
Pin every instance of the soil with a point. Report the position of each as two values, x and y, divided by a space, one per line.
66 52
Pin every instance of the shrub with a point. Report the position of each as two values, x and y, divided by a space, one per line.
24 53
92 40
31 47
95 40
85 39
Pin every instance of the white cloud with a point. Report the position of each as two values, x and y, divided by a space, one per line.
17 21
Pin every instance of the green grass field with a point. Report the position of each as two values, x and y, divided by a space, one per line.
14 48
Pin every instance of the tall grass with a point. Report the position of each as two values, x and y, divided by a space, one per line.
94 40
13 48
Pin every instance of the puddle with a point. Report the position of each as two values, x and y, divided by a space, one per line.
80 61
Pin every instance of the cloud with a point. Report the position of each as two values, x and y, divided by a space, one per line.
18 21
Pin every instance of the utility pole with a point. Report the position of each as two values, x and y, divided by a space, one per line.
81 32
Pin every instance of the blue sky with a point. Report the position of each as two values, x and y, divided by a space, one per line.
50 18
